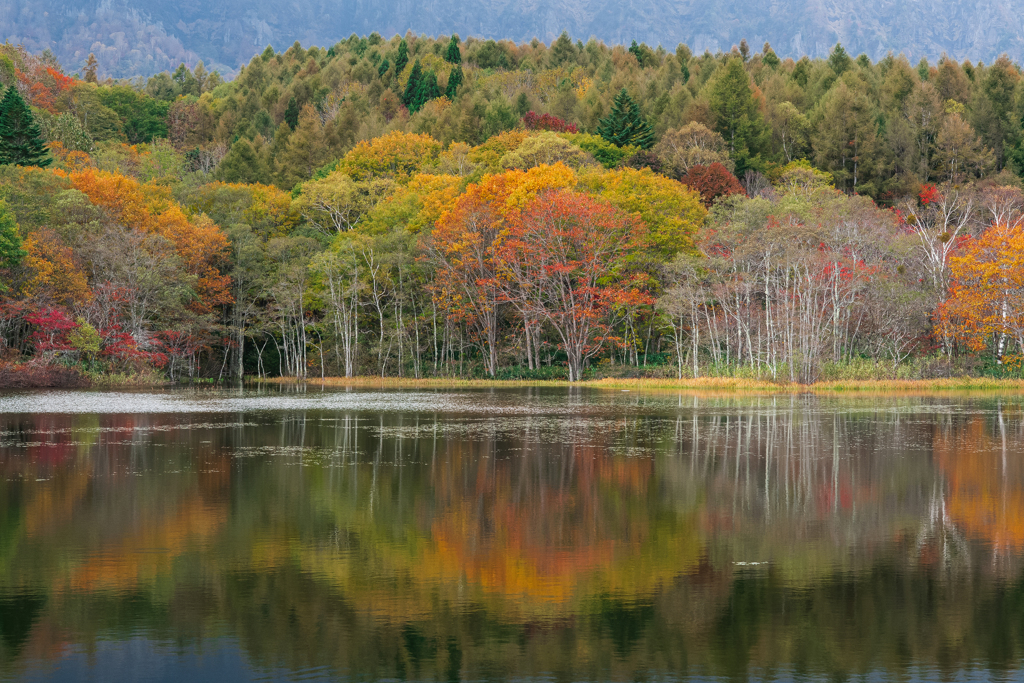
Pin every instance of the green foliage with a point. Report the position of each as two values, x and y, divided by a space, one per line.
625 125
66 129
85 339
736 116
451 90
401 56
11 252
142 118
838 60
291 113
452 54
21 141
607 154
242 165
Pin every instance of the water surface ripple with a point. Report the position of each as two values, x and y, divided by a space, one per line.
510 534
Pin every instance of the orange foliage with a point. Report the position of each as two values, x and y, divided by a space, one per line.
199 242
985 483
56 278
987 291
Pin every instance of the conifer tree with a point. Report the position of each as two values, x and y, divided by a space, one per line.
242 165
737 117
383 68
839 60
402 58
291 113
453 55
625 125
412 86
454 81
21 142
89 72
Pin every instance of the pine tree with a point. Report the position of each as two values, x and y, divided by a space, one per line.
839 60
89 72
454 81
453 55
383 68
402 58
412 86
737 117
625 125
291 113
21 142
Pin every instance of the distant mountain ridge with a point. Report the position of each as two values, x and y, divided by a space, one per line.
143 37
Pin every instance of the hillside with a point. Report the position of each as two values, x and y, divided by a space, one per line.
142 37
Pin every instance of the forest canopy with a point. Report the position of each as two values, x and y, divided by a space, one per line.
435 207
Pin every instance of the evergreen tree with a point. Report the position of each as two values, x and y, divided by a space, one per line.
635 50
454 81
383 68
768 56
11 252
242 165
625 125
89 72
737 117
839 60
21 142
402 58
412 86
453 55
291 113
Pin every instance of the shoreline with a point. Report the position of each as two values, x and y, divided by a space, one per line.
719 384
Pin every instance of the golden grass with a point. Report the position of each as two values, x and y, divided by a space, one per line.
701 384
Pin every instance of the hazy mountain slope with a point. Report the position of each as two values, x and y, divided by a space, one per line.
141 37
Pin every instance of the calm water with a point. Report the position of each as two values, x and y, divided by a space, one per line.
562 535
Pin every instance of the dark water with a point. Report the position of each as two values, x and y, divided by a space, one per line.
561 535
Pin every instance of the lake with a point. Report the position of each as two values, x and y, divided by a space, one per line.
555 534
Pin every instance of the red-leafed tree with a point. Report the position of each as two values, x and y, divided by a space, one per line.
535 121
561 260
712 182
52 328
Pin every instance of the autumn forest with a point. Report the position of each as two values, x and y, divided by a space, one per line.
436 207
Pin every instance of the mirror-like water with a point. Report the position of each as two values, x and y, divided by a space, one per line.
510 534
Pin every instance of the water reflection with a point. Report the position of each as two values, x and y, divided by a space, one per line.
511 534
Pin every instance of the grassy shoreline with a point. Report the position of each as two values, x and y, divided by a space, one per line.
716 384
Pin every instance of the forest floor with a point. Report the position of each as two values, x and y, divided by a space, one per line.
702 384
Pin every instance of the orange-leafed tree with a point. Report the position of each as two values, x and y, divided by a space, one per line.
464 245
561 260
198 241
986 301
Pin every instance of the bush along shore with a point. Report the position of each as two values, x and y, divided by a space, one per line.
436 208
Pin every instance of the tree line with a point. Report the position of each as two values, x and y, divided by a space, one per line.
434 207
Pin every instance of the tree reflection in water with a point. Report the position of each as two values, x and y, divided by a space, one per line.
595 537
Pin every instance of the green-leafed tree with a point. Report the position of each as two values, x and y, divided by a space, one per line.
625 125
242 165
11 252
737 117
291 113
21 141
412 86
142 117
453 55
839 60
402 57
454 81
